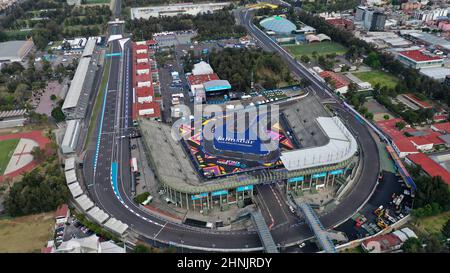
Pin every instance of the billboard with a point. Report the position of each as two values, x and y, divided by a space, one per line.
336 172
244 188
318 175
296 179
198 196
216 193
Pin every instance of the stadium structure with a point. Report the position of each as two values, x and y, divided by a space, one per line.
314 150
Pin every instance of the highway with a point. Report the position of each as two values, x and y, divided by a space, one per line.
110 187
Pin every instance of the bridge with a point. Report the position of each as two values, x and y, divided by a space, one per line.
263 232
316 226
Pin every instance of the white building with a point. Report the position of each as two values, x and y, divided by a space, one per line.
176 9
71 135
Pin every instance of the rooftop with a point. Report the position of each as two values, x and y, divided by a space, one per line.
278 24
338 80
61 211
201 79
418 56
429 166
444 127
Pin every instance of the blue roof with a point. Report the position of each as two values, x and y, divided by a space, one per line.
216 85
278 24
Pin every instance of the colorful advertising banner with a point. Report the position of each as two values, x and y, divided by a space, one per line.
222 192
336 172
198 196
244 188
318 175
296 179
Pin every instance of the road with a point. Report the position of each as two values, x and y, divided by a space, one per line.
113 194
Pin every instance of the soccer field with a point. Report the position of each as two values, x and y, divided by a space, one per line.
374 77
6 151
322 49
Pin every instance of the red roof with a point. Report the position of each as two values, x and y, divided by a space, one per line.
142 66
338 80
141 56
61 211
152 42
429 166
339 22
444 127
142 78
46 250
418 56
386 242
139 47
430 138
404 145
200 79
144 91
147 105
440 117
414 99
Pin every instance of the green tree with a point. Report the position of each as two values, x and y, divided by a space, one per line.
400 125
446 229
305 59
140 248
386 117
58 114
412 245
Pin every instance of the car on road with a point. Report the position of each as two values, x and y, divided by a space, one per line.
302 245
291 209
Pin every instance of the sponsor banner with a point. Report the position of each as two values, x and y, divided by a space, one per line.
336 172
318 175
244 188
198 196
296 179
222 192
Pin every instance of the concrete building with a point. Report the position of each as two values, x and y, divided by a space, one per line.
13 118
374 20
15 51
419 59
429 15
71 135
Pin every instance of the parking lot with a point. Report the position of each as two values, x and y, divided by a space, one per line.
389 185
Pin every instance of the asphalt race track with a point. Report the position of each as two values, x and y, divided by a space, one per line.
111 192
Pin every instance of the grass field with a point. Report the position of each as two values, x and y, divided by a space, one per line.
27 233
322 49
6 150
432 224
374 77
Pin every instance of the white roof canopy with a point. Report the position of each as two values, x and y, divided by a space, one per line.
342 146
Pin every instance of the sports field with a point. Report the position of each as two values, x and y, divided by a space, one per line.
374 77
6 151
322 49
26 234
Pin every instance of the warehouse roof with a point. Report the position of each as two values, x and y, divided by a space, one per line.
278 24
418 56
76 86
431 167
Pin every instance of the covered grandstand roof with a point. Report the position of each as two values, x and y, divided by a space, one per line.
69 164
98 214
200 79
278 24
89 48
76 85
342 146
84 202
216 85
